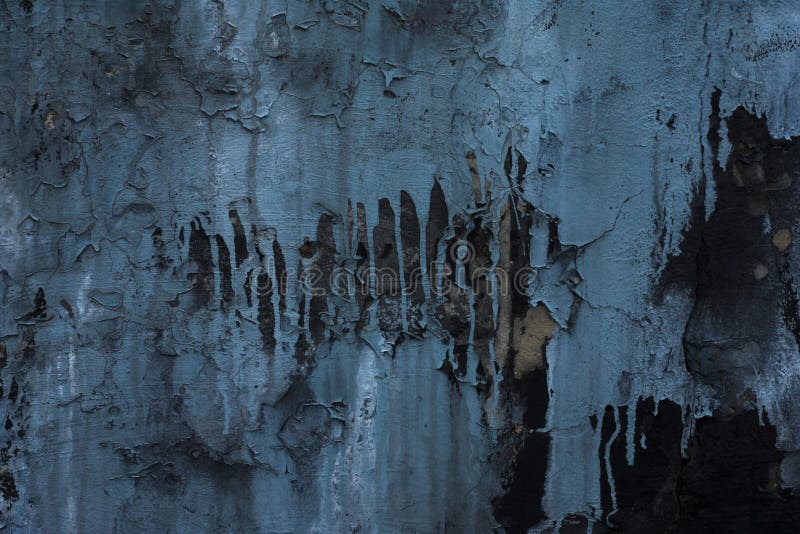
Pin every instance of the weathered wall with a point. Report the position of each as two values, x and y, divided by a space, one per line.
583 211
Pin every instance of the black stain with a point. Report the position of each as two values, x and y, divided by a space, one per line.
8 488
361 278
438 219
266 311
224 258
280 275
239 238
13 391
200 255
729 481
409 238
478 268
324 263
39 307
387 269
301 296
248 288
521 506
733 268
645 491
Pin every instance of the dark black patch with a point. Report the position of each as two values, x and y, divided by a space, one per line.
40 303
478 268
521 506
239 238
39 307
409 238
200 255
729 482
254 232
734 269
280 275
362 274
437 222
224 258
301 295
387 269
13 391
8 488
553 241
522 168
508 162
248 288
324 263
266 311
645 491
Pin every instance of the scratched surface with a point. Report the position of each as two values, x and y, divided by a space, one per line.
582 215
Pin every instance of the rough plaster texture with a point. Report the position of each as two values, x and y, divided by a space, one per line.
170 170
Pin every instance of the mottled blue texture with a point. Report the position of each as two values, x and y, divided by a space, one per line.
148 405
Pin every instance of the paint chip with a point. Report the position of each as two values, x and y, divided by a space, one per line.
782 239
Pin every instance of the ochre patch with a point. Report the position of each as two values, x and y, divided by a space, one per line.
531 334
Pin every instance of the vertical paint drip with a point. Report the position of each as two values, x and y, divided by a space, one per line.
362 276
266 311
323 269
455 313
409 235
434 230
224 260
239 239
280 276
387 270
200 255
478 274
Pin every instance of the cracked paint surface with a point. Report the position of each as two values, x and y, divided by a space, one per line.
322 266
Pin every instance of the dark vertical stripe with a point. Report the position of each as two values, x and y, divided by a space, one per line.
239 239
266 311
387 269
224 258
